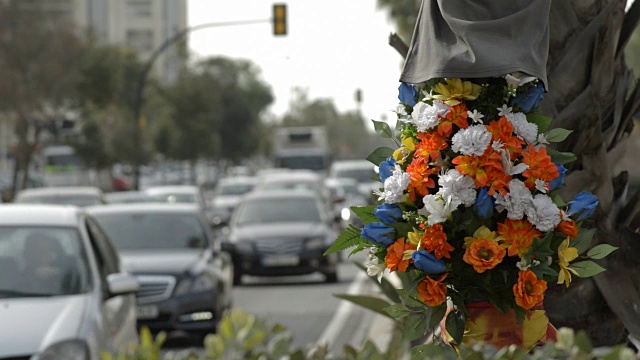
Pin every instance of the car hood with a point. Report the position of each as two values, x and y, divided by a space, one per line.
275 230
36 323
161 262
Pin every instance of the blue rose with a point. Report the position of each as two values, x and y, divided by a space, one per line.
530 99
378 234
584 203
407 94
559 181
484 203
427 262
388 213
386 168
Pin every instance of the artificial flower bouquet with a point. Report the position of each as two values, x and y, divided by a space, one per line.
469 206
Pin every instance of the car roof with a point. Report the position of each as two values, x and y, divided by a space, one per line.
238 180
290 176
359 164
281 194
61 190
338 181
147 208
39 215
172 189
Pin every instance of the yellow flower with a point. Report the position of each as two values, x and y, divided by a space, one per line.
483 232
455 90
566 254
408 146
414 238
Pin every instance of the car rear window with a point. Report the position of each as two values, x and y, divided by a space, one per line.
257 211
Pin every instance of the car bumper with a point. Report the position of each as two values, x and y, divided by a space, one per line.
303 263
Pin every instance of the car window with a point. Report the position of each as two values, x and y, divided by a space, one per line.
150 231
42 261
234 189
177 198
361 175
257 211
77 200
106 255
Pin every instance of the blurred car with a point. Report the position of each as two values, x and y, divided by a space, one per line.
185 280
62 195
294 180
226 196
282 233
178 194
344 195
361 171
128 197
63 294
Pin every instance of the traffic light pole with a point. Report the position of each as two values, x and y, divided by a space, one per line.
144 74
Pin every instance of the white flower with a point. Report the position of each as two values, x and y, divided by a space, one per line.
523 128
394 186
508 167
375 268
401 112
504 110
425 116
522 265
516 201
543 213
497 145
541 186
542 140
473 140
518 79
475 116
436 209
457 189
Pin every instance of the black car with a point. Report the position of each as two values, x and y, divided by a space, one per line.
185 280
282 233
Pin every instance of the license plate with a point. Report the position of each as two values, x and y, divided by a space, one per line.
281 260
145 312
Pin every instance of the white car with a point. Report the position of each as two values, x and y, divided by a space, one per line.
360 170
62 293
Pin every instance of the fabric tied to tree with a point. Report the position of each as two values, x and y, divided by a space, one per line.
478 38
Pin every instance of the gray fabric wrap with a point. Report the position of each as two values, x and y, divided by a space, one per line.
478 38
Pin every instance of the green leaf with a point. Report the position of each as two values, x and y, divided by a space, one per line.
600 251
382 129
557 135
541 248
587 268
372 303
433 351
365 213
379 155
583 343
540 120
385 285
520 314
397 311
415 327
543 269
437 314
561 157
583 240
349 237
455 325
557 199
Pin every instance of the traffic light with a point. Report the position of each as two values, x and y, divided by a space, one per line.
279 19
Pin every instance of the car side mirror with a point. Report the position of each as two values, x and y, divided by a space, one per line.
120 284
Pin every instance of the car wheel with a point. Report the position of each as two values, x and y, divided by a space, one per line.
331 278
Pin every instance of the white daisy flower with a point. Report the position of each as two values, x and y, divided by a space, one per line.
543 213
394 186
504 110
524 129
475 116
473 140
425 116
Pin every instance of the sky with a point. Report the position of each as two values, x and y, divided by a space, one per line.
333 47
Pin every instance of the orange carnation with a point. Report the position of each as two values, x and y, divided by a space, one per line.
432 292
395 255
420 174
569 228
484 254
529 290
457 115
540 166
518 236
434 240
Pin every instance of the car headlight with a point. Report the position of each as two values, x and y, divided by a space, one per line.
195 284
244 246
315 243
345 214
70 349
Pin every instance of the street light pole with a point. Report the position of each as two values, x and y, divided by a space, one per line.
144 74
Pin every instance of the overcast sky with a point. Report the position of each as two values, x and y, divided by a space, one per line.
333 48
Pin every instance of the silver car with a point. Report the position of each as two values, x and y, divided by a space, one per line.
62 293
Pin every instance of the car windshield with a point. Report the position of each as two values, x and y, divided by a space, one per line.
275 210
42 261
234 189
360 175
76 200
149 231
176 198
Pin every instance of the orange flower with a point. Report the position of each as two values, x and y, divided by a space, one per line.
430 145
484 254
395 255
486 170
434 240
569 228
457 115
529 290
502 130
540 166
518 236
420 174
432 292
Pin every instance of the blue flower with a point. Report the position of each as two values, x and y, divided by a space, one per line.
584 203
484 203
530 99
386 168
559 181
407 94
378 234
427 262
388 213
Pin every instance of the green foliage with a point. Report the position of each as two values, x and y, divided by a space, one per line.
455 325
587 268
542 121
601 251
583 240
383 129
348 238
365 213
372 303
561 157
557 135
379 155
